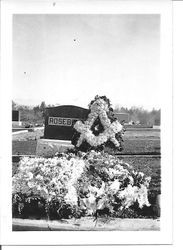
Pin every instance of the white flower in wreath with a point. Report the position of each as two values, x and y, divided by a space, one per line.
115 185
99 105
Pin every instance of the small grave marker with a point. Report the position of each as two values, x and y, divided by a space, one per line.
16 118
15 115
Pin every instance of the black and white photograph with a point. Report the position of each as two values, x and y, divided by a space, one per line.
87 139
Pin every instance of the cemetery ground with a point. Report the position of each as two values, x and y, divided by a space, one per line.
141 150
137 141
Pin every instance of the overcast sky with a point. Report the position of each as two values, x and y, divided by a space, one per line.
68 59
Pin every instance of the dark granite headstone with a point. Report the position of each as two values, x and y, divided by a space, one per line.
15 116
59 121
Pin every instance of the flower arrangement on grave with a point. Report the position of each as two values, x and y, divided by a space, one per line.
101 129
79 185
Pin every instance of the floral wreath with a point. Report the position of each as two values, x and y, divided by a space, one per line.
99 108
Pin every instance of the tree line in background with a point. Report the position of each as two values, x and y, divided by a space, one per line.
30 114
136 115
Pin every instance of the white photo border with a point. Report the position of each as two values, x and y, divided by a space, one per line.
162 7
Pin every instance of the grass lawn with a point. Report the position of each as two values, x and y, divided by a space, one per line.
135 146
135 142
151 166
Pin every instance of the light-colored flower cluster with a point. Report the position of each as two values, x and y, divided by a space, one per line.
99 198
98 109
118 174
103 177
49 178
132 194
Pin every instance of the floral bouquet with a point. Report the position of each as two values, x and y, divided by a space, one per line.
71 185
